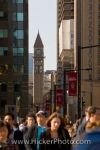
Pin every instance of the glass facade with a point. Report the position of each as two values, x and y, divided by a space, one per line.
14 53
19 34
18 51
19 1
3 51
3 33
18 16
1 14
18 45
18 68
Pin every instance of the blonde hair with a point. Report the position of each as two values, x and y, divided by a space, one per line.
92 125
71 131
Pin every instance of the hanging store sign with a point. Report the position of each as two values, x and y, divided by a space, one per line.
59 97
72 83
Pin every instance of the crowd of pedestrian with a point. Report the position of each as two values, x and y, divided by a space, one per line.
41 132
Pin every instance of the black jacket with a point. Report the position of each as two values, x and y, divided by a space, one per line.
29 138
63 143
18 137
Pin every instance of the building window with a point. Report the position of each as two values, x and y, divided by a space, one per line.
20 25
18 16
1 14
4 87
19 1
3 51
18 68
18 51
3 33
19 34
17 87
20 43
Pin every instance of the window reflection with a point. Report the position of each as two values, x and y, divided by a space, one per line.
1 14
18 16
19 34
19 1
3 33
3 51
18 51
18 68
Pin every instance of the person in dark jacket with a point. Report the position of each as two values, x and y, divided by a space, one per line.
15 135
91 114
84 121
18 136
30 122
91 139
34 132
56 136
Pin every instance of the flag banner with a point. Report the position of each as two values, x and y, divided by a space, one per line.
59 97
72 83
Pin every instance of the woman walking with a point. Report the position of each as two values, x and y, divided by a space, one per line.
56 136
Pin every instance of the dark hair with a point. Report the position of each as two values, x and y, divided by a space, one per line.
31 115
2 124
22 120
16 125
54 115
9 114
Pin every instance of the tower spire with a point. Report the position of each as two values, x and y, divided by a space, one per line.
38 42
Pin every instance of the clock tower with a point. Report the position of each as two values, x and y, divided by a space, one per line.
38 72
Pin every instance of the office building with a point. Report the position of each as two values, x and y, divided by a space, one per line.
14 55
87 34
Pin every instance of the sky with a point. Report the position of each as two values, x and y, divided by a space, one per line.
42 17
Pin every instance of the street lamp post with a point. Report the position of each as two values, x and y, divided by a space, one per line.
55 87
18 107
79 77
67 92
65 99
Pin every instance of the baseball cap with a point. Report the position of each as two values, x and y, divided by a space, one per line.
41 112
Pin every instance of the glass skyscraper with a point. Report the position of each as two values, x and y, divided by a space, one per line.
14 54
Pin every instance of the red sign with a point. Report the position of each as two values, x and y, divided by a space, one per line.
72 79
59 97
